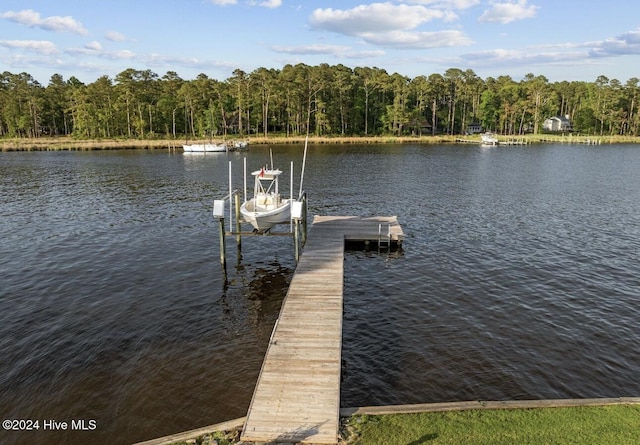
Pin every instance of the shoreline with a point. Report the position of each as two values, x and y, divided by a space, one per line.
233 427
66 143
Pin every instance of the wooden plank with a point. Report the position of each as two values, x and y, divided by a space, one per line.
481 404
285 421
235 424
297 397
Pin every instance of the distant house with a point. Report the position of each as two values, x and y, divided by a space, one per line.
474 127
420 127
557 123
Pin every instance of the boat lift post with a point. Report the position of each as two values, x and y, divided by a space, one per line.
219 214
299 216
236 201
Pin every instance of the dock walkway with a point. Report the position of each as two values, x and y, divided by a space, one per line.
297 396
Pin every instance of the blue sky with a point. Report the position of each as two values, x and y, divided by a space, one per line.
562 40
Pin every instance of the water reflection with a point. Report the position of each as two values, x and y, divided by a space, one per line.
261 289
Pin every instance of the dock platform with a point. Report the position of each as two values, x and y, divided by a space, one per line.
297 396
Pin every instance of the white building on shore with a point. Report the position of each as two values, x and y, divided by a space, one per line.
557 123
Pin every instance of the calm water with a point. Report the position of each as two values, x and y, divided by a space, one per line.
518 280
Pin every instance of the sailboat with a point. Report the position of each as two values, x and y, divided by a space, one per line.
267 208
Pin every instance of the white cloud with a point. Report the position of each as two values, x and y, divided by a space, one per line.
271 3
333 50
124 54
158 60
502 57
507 12
390 25
95 49
444 4
364 54
418 40
311 49
93 46
32 19
375 17
627 43
38 46
115 36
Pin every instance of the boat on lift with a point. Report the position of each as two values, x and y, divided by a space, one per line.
267 208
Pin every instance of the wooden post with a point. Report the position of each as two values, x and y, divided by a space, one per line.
237 204
223 258
296 240
304 219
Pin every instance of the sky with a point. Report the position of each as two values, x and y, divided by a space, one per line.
572 40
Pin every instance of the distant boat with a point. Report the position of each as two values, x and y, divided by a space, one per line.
204 148
239 145
488 138
266 208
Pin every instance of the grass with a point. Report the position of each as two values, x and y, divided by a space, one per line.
617 425
70 143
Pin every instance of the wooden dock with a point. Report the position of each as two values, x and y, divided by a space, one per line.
297 396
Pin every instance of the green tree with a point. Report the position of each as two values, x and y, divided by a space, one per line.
169 104
238 89
56 97
632 88
264 84
539 97
397 115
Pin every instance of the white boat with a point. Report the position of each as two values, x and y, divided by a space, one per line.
204 148
240 145
488 138
266 208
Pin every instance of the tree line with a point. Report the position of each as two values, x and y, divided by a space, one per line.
323 100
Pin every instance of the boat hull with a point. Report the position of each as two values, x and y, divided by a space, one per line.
263 218
204 148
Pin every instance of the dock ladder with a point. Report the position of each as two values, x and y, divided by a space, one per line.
384 240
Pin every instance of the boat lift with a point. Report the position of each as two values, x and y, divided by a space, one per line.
297 222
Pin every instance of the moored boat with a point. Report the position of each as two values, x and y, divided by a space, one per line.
204 148
488 138
239 145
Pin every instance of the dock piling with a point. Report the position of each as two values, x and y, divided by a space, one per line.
223 259
238 227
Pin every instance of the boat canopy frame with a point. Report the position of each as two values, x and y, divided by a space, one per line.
263 176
